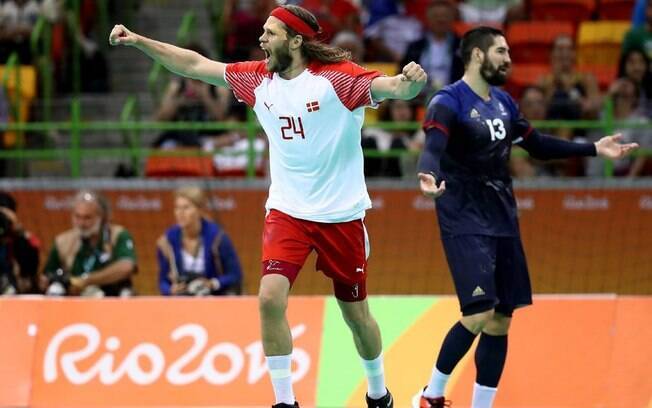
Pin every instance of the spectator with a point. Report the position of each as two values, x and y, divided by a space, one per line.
66 30
238 17
19 251
635 65
195 255
533 107
4 119
625 95
569 93
395 110
17 18
640 37
496 12
351 42
95 257
190 100
390 31
436 51
334 16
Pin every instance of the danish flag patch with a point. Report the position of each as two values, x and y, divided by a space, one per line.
312 106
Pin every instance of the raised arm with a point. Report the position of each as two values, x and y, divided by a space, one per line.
178 60
405 85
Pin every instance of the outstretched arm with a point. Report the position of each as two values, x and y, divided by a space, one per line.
178 60
405 85
545 147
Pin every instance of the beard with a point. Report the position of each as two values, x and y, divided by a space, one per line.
86 233
282 58
492 74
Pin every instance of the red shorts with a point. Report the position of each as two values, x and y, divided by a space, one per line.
342 250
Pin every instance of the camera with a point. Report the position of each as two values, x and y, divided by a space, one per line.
59 283
196 284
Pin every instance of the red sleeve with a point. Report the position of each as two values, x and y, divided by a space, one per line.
244 77
352 83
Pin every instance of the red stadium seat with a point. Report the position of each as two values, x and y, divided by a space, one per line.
176 166
531 41
562 10
524 75
615 9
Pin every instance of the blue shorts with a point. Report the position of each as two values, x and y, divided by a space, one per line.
488 272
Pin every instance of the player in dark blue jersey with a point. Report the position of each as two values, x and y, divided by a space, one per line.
471 126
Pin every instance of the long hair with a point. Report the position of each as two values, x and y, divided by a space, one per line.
312 49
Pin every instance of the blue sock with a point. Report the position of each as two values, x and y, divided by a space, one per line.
457 342
490 359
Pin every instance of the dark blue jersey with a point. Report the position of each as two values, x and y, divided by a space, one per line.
468 145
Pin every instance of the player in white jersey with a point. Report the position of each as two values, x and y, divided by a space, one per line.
310 100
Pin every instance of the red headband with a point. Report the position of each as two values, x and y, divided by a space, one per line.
293 22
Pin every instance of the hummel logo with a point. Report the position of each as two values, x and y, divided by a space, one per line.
477 291
268 106
273 266
312 106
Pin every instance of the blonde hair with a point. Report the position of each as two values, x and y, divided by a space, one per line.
193 194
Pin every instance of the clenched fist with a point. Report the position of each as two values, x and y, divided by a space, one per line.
121 36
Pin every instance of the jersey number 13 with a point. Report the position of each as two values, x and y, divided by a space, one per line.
497 129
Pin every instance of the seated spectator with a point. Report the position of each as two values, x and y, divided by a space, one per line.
533 107
492 11
95 258
237 19
640 37
635 65
334 16
567 90
195 255
436 51
17 18
394 110
19 252
625 95
390 31
190 100
350 41
68 29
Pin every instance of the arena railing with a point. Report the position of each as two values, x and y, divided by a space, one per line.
131 129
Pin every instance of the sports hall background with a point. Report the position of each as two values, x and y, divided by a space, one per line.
78 114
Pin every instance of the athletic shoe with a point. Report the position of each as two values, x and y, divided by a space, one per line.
385 402
419 401
283 405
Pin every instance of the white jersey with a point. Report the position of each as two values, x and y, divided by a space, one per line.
313 125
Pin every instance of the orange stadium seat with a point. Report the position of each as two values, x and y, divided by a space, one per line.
599 42
176 166
524 75
615 9
562 10
531 41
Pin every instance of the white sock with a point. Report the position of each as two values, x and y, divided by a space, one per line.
375 377
281 374
483 396
437 384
